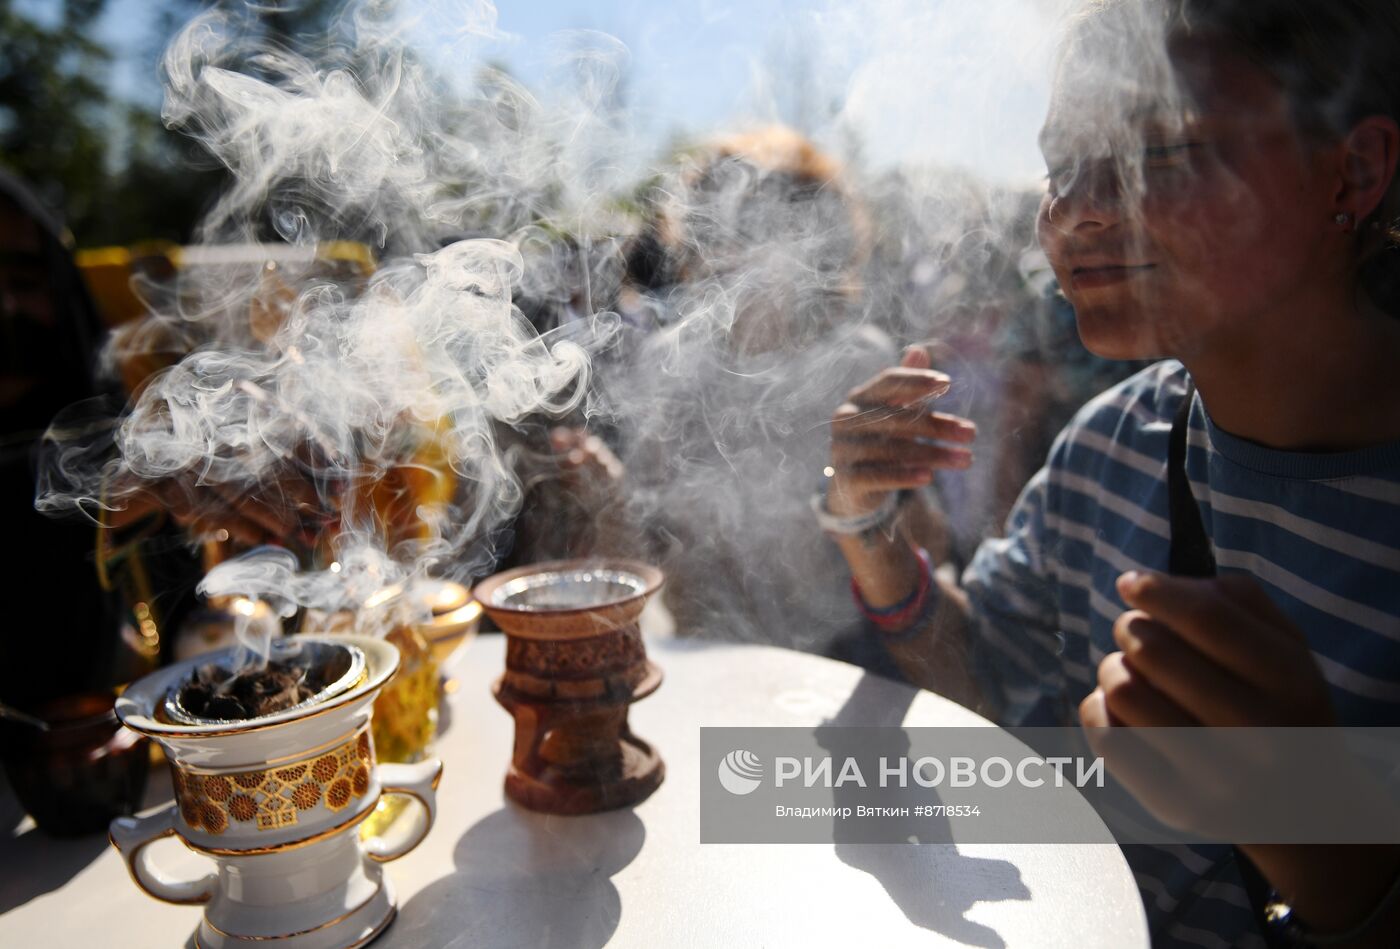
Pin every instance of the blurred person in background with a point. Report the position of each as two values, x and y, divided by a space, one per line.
749 263
64 632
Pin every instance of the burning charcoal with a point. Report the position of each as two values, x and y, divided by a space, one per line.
195 697
215 693
224 707
273 689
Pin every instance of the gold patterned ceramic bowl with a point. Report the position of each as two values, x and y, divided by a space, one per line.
276 803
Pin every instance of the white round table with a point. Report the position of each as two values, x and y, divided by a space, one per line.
493 875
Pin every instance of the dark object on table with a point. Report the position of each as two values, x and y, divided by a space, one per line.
80 772
574 663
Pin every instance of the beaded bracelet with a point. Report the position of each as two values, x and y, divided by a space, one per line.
903 619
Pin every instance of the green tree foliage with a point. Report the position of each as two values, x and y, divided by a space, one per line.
54 129
110 167
118 175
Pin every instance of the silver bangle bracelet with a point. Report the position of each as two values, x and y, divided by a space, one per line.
861 523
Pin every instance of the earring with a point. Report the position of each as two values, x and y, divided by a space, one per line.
1344 220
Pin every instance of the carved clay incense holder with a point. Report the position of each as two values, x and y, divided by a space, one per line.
574 663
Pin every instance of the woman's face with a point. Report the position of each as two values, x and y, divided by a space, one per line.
1184 220
777 248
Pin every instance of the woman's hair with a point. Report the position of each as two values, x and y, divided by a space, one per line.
1338 61
729 192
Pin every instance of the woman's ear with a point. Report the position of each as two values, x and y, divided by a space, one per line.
1370 155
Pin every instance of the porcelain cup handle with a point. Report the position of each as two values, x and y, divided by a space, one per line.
418 781
131 835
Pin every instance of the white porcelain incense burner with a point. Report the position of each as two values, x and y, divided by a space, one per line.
276 803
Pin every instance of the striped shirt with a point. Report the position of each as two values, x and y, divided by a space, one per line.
1317 531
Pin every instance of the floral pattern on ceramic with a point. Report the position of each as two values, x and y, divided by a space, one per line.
271 798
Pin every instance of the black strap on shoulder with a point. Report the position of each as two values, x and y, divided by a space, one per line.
1191 556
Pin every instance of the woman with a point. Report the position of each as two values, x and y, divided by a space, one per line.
1221 193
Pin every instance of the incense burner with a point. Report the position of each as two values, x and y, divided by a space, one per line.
276 803
575 661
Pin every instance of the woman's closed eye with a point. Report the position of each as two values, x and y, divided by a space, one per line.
1169 154
1060 178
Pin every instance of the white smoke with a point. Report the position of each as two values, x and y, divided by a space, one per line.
319 396
327 395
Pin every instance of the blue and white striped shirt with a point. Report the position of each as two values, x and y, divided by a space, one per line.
1318 531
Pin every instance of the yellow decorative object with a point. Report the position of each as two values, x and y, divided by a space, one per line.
410 492
405 713
108 272
273 797
456 617
405 717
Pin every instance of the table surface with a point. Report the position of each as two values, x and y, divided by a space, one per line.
493 875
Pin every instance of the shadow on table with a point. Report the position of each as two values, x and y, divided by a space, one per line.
921 870
33 863
526 880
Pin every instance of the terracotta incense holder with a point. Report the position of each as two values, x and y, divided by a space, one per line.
574 663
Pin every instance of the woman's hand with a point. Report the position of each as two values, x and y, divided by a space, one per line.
1212 651
585 460
885 437
1196 652
287 511
1219 652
